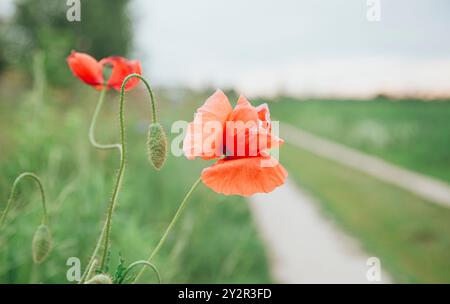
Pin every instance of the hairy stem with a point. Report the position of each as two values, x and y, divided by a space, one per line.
169 228
106 230
92 139
98 145
37 180
123 154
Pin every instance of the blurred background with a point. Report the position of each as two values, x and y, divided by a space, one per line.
352 93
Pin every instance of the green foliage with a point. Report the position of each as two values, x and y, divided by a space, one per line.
104 30
214 241
120 270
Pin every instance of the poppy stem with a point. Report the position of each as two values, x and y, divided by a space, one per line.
92 139
105 235
169 228
150 92
35 178
98 145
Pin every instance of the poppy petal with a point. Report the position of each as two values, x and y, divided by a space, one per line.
205 134
244 176
244 111
216 107
263 112
249 130
266 140
86 68
121 68
243 101
202 141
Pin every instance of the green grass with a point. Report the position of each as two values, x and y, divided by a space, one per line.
411 133
411 236
215 240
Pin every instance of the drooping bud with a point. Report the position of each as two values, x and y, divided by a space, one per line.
157 145
100 279
42 244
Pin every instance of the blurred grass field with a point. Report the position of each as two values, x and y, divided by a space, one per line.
410 235
411 133
215 240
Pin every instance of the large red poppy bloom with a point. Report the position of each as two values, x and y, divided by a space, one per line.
239 138
90 71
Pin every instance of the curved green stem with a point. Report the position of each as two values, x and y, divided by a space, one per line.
92 139
98 145
105 235
35 178
145 264
150 92
169 228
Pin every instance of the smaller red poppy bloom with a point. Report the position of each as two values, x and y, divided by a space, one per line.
86 68
90 71
121 68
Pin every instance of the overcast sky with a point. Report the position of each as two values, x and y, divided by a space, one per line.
304 47
301 46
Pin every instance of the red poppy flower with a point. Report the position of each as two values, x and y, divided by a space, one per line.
240 138
90 71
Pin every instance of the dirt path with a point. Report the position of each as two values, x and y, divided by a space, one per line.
424 186
303 245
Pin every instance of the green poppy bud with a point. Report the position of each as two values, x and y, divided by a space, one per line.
100 279
157 145
42 244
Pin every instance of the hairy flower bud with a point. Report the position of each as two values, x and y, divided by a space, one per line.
100 279
42 244
157 145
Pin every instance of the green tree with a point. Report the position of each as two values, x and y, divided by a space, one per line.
104 30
